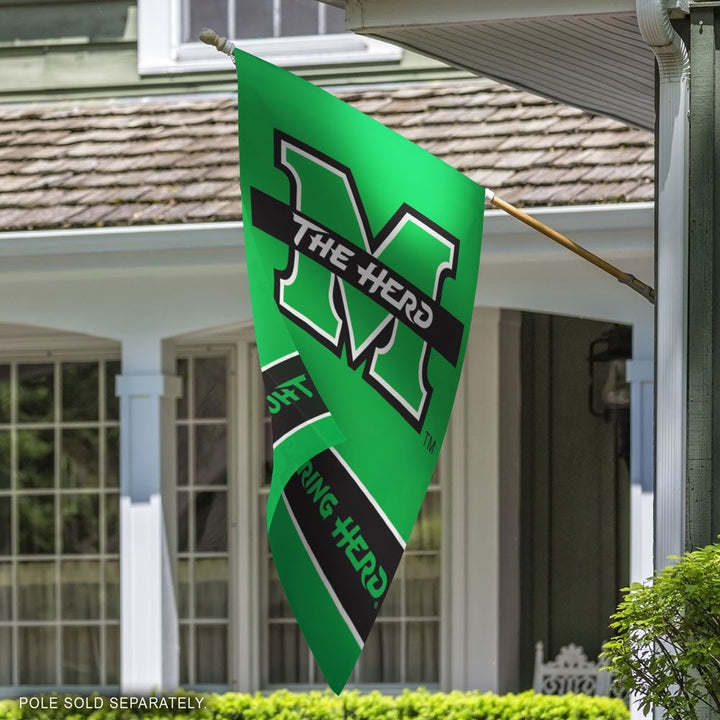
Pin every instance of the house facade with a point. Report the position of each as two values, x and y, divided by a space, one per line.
134 448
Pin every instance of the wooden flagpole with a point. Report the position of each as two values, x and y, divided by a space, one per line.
626 278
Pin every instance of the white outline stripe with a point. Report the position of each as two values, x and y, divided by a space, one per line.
323 577
299 427
378 509
278 361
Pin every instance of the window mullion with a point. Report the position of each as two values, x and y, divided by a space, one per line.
277 18
57 416
102 499
14 530
231 18
185 20
191 524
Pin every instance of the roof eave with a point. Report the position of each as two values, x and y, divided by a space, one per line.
586 53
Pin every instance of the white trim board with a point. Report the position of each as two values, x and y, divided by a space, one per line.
215 237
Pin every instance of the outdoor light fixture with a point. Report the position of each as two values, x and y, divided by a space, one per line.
608 391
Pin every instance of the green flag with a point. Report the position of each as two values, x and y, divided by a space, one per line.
362 255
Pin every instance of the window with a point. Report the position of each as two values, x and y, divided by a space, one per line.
252 20
202 507
290 33
59 489
403 647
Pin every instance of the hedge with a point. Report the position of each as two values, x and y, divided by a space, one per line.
284 705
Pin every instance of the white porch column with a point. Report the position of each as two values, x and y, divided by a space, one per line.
148 607
481 464
640 373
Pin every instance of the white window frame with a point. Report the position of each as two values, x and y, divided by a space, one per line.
161 52
197 351
55 351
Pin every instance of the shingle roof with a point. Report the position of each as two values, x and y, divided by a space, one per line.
174 160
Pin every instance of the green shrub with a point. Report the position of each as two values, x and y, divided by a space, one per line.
284 705
667 642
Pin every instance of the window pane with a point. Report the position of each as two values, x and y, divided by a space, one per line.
80 587
211 653
36 458
299 17
5 459
392 605
183 570
35 393
268 452
36 520
79 391
112 590
6 586
182 401
182 455
278 606
253 19
36 590
288 654
80 532
6 656
183 531
334 19
5 526
426 533
112 401
112 654
211 455
112 523
79 459
210 387
185 654
423 652
211 588
381 657
264 540
37 655
205 13
210 522
423 585
4 393
81 655
112 457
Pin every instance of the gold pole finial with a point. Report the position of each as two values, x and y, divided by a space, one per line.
223 44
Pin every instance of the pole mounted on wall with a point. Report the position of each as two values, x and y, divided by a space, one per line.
625 278
224 45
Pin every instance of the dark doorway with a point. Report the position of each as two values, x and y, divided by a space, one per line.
574 490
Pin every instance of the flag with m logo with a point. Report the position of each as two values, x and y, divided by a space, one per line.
362 254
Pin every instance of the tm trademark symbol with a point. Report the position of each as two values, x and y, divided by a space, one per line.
429 442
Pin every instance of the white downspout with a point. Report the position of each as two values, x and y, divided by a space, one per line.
671 177
671 257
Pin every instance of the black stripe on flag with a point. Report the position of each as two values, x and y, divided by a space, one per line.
292 398
445 331
351 540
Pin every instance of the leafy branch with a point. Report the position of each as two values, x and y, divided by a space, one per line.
666 647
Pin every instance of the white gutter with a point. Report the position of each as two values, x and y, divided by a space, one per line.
129 238
214 237
671 256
